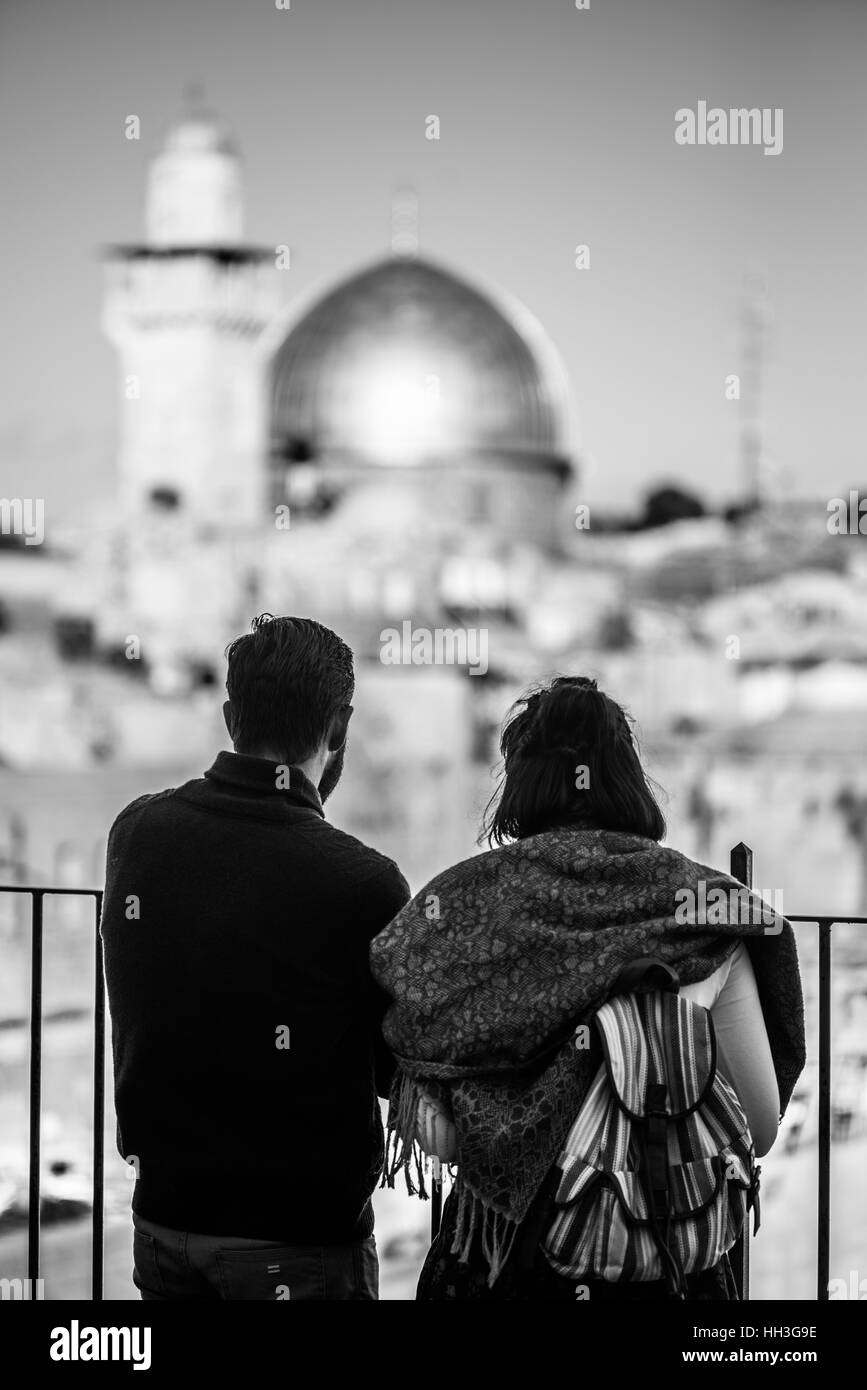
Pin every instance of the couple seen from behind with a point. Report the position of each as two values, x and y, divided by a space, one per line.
598 1068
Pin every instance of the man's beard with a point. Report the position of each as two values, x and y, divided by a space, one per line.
332 773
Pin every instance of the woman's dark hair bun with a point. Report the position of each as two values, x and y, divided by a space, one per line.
548 734
571 713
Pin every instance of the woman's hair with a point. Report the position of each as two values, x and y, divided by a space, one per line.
569 757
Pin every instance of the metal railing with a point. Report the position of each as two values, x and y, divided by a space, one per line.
37 899
741 869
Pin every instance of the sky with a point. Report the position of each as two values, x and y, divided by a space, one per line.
556 129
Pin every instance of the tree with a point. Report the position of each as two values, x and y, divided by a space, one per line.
666 504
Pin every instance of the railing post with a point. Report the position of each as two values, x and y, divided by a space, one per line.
741 868
36 901
824 1205
98 1110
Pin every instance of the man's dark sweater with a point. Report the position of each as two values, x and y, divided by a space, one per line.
236 921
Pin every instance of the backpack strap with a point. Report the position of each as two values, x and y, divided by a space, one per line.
656 1149
653 1137
657 1038
646 973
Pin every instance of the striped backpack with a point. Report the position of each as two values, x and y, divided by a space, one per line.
658 1172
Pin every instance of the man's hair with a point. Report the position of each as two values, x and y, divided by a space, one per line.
286 681
569 758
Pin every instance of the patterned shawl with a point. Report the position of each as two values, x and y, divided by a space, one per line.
493 965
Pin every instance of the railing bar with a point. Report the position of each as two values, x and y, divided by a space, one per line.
832 921
35 1135
95 892
824 1206
98 1110
38 888
37 893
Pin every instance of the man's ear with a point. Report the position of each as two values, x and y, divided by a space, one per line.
227 715
338 728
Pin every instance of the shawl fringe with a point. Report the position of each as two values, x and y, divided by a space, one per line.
495 1230
402 1149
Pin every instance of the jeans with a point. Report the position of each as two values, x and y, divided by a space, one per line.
179 1264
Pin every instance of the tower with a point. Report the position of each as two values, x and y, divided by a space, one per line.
186 309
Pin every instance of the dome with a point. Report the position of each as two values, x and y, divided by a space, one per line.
407 363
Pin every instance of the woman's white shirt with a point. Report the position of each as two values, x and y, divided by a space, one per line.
743 1051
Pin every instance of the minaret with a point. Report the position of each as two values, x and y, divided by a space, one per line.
186 309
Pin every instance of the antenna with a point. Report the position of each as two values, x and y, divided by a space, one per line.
755 321
194 98
404 223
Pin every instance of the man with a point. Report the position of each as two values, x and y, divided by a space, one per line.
247 1050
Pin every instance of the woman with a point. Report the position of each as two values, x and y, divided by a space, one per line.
494 964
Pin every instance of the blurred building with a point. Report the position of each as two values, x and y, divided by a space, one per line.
396 450
400 449
186 309
392 454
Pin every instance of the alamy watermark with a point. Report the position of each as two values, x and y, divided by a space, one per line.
22 1290
424 646
848 518
736 906
77 1343
854 1288
739 125
23 516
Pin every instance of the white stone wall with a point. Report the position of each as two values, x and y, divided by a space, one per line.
193 412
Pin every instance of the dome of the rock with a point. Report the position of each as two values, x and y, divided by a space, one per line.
405 369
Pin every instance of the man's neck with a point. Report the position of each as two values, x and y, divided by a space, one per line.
311 767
